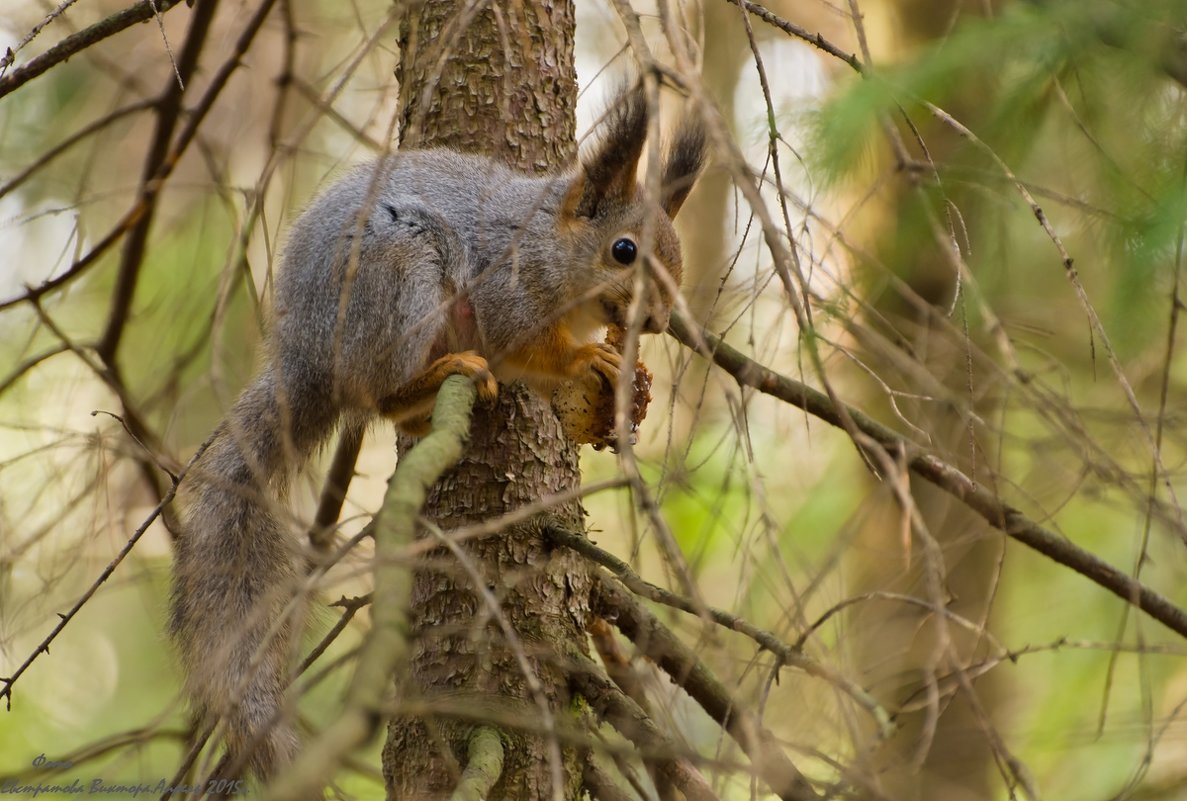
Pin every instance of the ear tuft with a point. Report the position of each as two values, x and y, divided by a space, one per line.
607 173
685 159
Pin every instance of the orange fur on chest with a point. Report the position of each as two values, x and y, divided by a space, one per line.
547 352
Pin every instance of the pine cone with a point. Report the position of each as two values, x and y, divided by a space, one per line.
586 406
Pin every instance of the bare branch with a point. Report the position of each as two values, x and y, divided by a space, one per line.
686 669
161 160
333 493
1000 515
601 786
633 723
767 640
43 646
788 27
620 670
77 42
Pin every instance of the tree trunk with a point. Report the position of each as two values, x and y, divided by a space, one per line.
506 86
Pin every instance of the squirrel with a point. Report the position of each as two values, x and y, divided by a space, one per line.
420 265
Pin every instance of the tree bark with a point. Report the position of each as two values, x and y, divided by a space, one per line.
500 81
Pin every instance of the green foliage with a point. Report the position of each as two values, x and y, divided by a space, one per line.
1073 97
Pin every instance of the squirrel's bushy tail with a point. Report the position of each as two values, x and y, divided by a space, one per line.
235 572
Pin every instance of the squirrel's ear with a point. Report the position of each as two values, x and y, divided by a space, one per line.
607 174
685 159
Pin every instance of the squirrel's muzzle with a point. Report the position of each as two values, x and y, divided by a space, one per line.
656 321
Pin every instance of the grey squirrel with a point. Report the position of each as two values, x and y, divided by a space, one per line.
418 266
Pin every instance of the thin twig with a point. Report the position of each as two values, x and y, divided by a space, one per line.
678 661
350 607
10 55
923 463
29 364
631 722
814 39
77 42
43 646
168 47
85 132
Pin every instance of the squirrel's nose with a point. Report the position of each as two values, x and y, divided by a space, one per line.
656 322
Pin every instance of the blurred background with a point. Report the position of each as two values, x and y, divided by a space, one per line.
987 228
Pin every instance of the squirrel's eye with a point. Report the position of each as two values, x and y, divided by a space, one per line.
624 250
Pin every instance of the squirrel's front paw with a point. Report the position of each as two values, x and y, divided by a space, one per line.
600 358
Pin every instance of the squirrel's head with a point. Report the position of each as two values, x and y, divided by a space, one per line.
622 227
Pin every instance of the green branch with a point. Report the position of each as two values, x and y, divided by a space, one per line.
386 646
484 765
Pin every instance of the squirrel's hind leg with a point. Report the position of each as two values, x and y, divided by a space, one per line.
399 314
